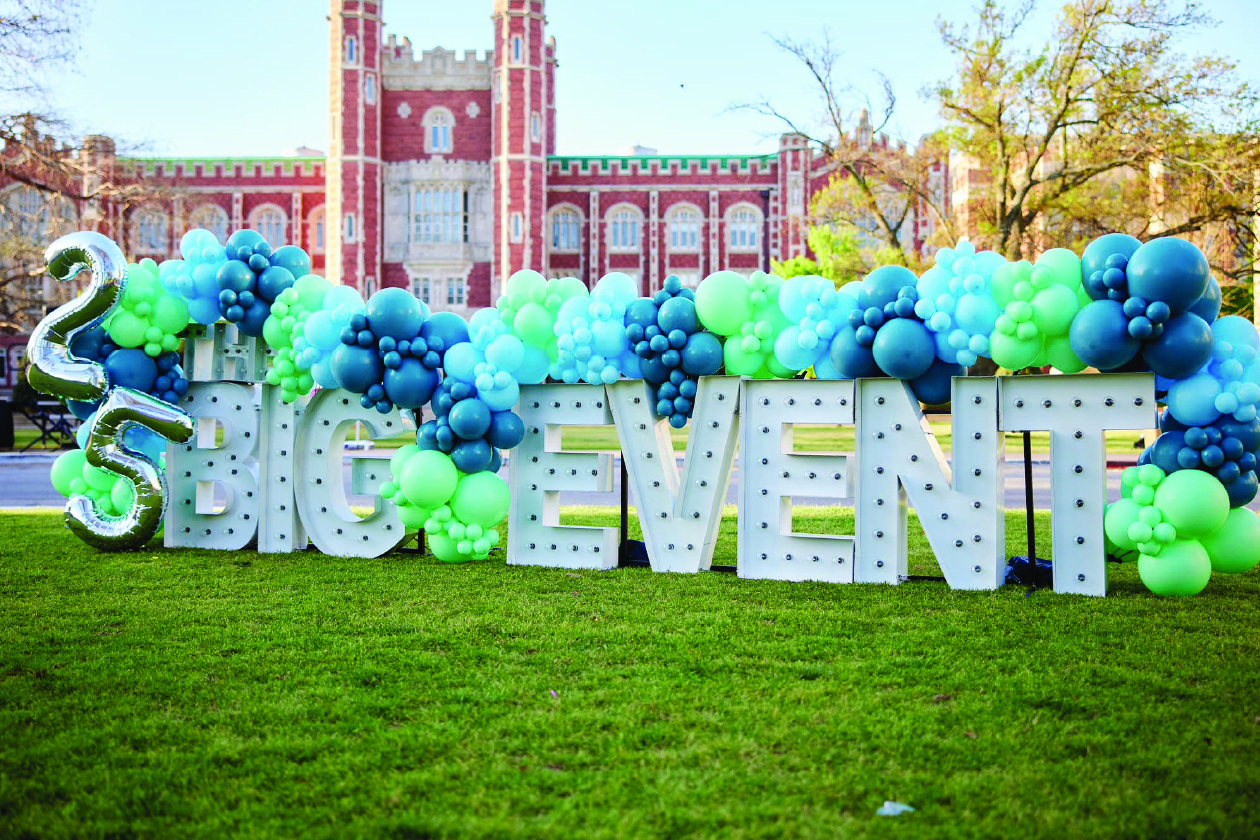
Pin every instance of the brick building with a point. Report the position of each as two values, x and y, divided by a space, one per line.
442 176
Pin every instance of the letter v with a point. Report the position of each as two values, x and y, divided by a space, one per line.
679 512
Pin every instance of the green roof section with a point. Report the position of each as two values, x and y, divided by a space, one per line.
702 163
208 164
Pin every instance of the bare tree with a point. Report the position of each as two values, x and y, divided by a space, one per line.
876 185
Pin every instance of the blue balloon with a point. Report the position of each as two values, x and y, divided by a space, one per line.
641 311
396 313
356 368
1171 270
1094 259
411 384
255 317
131 369
235 276
470 419
1182 348
447 326
881 286
1192 401
936 386
702 354
506 431
904 348
82 410
1209 306
1099 335
677 313
293 258
1165 449
850 359
1242 490
1248 433
274 280
496 461
459 361
471 456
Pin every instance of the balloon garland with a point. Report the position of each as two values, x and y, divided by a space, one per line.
1122 306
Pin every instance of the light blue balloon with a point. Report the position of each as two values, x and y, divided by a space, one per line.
1236 330
1192 401
460 360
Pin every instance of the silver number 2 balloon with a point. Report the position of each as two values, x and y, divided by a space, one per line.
55 370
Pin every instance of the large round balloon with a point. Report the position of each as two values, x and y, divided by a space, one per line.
428 479
1234 548
396 313
1169 269
1094 259
722 302
1181 349
903 348
1100 335
1193 501
851 359
1182 568
482 499
882 285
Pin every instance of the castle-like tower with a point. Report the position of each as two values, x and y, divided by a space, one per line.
353 171
522 93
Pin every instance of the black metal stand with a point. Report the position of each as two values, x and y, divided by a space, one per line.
1029 514
623 545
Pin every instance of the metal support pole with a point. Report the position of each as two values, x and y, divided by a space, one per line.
1029 513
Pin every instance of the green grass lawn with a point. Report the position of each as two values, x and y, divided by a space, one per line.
199 693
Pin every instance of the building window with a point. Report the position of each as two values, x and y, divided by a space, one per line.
623 229
743 225
269 220
316 231
352 49
441 215
516 48
350 228
438 124
517 227
535 127
565 225
35 217
684 229
150 232
422 288
689 279
456 291
210 217
369 88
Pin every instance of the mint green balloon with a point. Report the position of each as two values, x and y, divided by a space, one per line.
1234 547
413 518
444 548
1181 569
1120 515
429 479
399 458
122 494
68 467
1013 353
1054 308
1194 502
722 302
534 324
481 498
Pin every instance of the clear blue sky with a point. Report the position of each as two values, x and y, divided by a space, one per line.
249 77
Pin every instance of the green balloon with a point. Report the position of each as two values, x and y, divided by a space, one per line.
777 369
534 324
481 498
1005 276
311 289
1064 265
68 467
722 302
170 314
121 495
126 329
739 362
400 458
526 284
276 336
98 478
563 288
1234 547
1013 353
1060 354
1128 480
428 479
413 518
1120 515
1193 501
1054 308
444 548
1182 568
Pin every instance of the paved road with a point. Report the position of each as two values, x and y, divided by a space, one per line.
24 483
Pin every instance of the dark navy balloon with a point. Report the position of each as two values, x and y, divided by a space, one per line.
1169 269
1100 336
1184 346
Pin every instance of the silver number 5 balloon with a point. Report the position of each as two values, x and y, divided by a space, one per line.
55 370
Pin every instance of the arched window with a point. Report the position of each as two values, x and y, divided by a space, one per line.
270 221
743 225
35 216
566 226
316 230
439 125
149 234
624 222
684 228
211 217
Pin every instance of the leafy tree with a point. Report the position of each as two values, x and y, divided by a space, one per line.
1102 126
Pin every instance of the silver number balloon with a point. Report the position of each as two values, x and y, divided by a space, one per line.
53 368
122 409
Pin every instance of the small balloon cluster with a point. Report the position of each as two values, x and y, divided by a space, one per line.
745 312
253 276
148 316
673 350
195 278
160 376
591 336
458 512
1182 528
285 327
1039 302
384 358
1229 385
956 303
819 311
1225 448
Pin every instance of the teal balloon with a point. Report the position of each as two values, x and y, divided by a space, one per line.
702 354
1094 258
881 286
1099 335
850 359
1171 270
904 348
1181 349
936 386
1208 307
